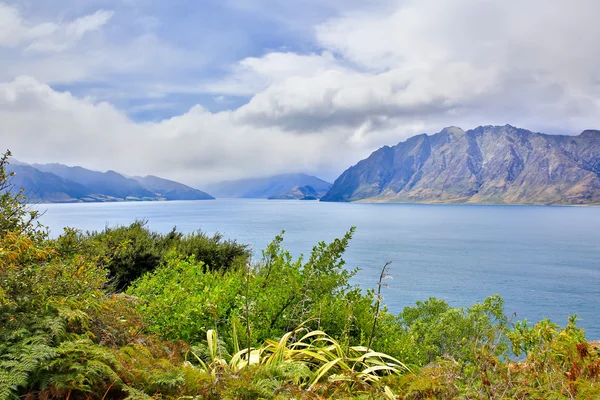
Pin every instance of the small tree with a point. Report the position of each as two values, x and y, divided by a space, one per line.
15 214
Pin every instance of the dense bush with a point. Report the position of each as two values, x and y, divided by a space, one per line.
201 322
183 300
128 252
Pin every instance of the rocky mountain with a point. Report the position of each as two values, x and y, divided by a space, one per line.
298 193
171 190
489 164
263 188
57 183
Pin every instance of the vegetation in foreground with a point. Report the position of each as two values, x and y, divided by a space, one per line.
130 314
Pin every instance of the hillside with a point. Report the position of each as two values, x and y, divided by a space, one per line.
489 164
263 188
298 193
57 183
171 190
43 186
110 184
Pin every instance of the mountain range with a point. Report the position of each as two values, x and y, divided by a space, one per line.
270 187
488 164
57 183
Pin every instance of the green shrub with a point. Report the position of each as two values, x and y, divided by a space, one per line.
437 330
182 299
128 252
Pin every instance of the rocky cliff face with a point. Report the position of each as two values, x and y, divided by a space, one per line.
489 164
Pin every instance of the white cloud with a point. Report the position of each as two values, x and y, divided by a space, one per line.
444 62
98 48
46 36
58 38
12 31
338 98
42 125
255 74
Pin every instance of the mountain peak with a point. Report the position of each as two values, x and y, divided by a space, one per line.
592 133
113 173
496 127
453 130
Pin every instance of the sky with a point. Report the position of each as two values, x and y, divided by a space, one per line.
209 90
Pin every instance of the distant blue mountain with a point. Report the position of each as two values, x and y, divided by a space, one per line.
271 187
45 187
172 190
110 184
298 193
57 183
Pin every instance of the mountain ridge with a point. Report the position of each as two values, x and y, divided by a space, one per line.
58 183
266 187
171 190
487 164
298 193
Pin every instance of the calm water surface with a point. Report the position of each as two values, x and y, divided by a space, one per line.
544 261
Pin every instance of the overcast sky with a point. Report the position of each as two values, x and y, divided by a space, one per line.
202 91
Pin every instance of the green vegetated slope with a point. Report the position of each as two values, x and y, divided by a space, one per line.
130 314
488 164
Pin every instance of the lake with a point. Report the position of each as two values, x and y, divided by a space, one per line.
544 261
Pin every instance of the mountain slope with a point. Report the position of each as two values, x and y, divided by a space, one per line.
298 193
109 183
268 187
171 190
45 187
57 183
489 164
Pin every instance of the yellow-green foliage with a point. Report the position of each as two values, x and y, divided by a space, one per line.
183 301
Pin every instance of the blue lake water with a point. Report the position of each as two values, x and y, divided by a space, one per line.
544 261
